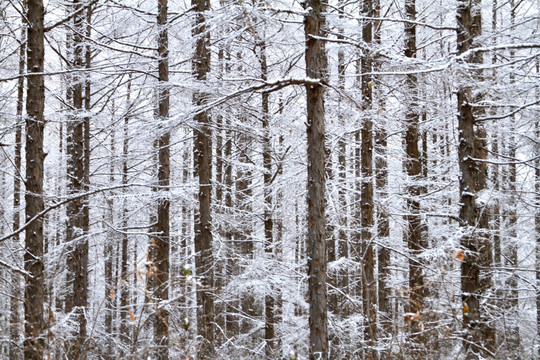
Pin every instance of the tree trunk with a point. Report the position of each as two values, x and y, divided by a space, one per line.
475 281
15 320
316 67
109 255
77 243
383 218
415 233
124 284
34 292
159 247
369 284
269 301
202 161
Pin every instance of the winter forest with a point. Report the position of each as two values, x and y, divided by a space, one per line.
270 179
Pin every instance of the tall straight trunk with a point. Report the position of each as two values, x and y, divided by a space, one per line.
316 67
15 320
478 258
369 284
77 245
269 300
415 234
383 218
124 284
202 160
86 136
34 291
109 254
231 321
159 247
496 211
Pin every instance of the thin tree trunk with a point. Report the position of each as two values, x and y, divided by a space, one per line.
202 161
15 320
159 248
77 256
269 301
383 221
369 284
34 292
316 67
478 258
124 282
415 234
109 255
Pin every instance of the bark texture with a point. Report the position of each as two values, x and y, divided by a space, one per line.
15 320
159 248
415 234
34 291
316 65
202 159
369 283
475 281
77 243
269 301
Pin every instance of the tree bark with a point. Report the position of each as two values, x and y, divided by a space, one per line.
34 292
383 218
269 301
369 284
415 234
77 243
478 258
316 67
159 247
15 320
202 159
124 284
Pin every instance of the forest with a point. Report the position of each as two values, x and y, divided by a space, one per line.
270 179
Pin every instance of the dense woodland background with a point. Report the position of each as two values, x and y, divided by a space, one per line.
249 179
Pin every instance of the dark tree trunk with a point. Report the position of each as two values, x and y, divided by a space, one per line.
383 218
269 300
159 247
202 161
475 278
314 23
124 275
369 284
34 292
109 256
77 243
415 233
15 320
